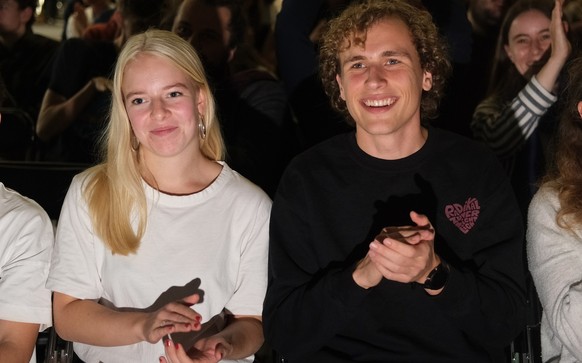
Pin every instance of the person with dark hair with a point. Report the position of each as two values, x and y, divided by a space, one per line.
256 118
297 31
74 107
485 17
554 237
162 248
468 84
398 242
88 13
517 120
25 64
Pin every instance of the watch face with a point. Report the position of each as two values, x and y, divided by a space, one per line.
437 278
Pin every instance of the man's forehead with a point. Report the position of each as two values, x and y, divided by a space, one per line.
196 9
356 38
4 3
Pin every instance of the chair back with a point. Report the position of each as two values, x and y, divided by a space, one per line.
44 182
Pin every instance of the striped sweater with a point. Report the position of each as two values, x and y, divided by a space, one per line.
505 128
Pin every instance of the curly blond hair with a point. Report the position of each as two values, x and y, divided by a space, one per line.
353 23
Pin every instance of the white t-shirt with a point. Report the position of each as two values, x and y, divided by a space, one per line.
219 235
26 241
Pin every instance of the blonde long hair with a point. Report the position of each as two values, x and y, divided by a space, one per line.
114 190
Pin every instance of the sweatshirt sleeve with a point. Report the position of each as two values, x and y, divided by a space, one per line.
506 128
303 300
485 293
554 256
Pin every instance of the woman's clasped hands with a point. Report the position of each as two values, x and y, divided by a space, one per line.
175 317
207 350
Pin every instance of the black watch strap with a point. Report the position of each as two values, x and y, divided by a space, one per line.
437 278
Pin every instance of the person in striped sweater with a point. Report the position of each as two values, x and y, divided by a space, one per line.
517 119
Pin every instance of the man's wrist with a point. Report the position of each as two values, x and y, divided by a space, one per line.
361 275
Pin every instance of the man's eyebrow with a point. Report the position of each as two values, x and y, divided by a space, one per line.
354 58
385 54
396 53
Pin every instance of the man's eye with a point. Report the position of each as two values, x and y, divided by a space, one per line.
357 65
392 61
183 32
175 94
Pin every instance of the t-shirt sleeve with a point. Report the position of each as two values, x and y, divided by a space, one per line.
25 252
251 284
74 268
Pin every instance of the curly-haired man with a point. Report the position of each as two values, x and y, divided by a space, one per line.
445 281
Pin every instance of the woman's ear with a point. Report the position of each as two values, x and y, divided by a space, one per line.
508 52
580 109
201 102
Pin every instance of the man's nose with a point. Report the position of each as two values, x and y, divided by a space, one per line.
376 76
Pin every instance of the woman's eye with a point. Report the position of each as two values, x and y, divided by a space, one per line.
522 41
357 65
137 101
175 94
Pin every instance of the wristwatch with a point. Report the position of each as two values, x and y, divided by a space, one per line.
438 277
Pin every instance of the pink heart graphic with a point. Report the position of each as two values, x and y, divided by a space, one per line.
463 216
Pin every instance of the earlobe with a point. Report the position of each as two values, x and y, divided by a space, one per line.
231 54
339 83
26 14
427 81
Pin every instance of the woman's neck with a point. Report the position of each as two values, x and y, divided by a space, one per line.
179 177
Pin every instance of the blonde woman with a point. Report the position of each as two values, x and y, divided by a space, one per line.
162 239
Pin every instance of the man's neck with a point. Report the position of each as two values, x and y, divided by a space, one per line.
393 146
12 38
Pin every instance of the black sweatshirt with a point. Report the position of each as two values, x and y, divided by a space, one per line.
332 201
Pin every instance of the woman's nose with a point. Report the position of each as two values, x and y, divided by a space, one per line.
158 109
537 48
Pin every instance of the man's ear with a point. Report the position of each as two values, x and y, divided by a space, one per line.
341 88
427 81
26 14
231 54
580 109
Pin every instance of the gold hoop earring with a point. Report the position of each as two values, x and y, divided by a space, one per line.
202 128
